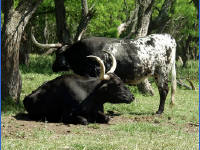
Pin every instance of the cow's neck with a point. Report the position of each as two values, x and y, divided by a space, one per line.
94 101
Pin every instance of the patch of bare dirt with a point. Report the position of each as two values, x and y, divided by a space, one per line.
192 127
21 127
135 118
12 126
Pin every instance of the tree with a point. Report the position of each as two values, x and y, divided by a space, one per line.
64 35
160 22
25 47
137 26
15 21
183 25
196 4
86 16
62 30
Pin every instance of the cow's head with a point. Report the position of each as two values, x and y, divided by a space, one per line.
112 87
60 63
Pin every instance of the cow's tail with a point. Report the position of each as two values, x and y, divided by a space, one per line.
173 83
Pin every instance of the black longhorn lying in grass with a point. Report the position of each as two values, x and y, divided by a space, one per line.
78 100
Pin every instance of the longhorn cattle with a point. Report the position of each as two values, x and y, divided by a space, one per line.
152 55
78 100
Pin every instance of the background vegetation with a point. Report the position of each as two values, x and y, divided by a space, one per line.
109 14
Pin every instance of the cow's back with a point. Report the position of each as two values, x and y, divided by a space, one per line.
142 57
136 59
58 96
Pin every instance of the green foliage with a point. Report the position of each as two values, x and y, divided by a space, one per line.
183 18
2 19
40 20
191 70
182 23
38 64
73 14
188 14
109 15
112 33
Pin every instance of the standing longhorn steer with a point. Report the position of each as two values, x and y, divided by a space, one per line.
152 55
78 100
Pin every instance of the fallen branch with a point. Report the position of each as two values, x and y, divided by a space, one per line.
181 83
191 84
194 124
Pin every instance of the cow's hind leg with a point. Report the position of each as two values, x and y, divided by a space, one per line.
162 83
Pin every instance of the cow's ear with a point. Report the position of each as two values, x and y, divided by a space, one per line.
103 82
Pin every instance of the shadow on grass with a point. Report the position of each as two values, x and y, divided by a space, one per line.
10 106
112 113
22 116
142 113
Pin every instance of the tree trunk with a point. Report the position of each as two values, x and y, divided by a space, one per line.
46 30
196 4
144 15
158 25
137 26
15 21
25 46
186 51
87 15
24 51
62 31
128 29
143 20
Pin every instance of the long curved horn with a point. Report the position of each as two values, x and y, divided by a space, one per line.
114 63
102 75
45 46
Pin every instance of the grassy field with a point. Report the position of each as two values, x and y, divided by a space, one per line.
132 127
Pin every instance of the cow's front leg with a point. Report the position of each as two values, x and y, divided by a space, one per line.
98 115
102 118
163 88
75 119
163 95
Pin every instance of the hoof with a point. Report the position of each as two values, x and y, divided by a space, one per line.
159 112
84 121
107 119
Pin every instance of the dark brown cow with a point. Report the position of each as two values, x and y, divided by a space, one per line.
78 100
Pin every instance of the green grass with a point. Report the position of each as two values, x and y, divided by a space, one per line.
191 70
133 127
